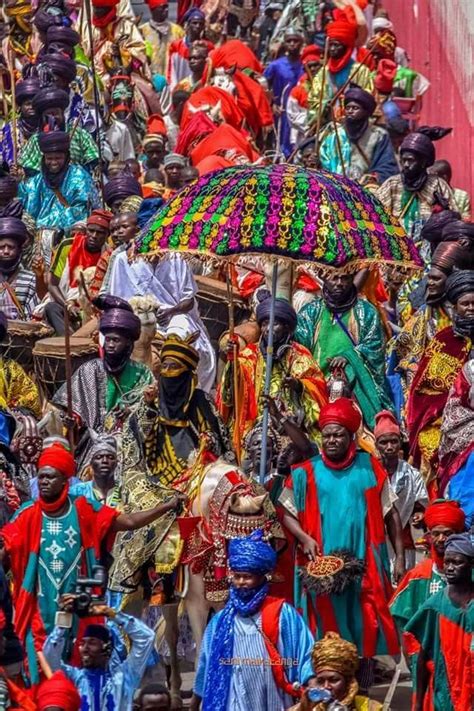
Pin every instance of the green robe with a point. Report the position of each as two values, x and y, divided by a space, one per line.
358 336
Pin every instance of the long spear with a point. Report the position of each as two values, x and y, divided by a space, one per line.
321 98
235 352
11 69
68 364
268 375
87 6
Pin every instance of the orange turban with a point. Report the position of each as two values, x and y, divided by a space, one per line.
445 513
59 458
386 423
341 412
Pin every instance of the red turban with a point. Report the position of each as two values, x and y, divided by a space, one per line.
386 72
105 3
58 691
445 513
152 4
341 412
311 53
101 218
343 30
386 423
155 123
59 458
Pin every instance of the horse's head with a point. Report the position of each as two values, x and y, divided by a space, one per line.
224 79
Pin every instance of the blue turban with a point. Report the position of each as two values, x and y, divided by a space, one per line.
284 312
252 554
194 14
460 543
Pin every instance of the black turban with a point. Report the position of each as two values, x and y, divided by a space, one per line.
26 89
98 632
50 98
366 100
43 19
13 227
458 284
284 312
107 301
61 65
421 142
8 184
53 142
121 320
120 188
66 35
457 229
432 230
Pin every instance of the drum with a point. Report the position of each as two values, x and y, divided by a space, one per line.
49 357
213 305
21 338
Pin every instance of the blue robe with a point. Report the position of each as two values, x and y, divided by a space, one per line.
252 684
282 75
44 206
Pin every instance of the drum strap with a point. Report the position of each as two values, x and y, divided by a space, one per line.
11 292
61 198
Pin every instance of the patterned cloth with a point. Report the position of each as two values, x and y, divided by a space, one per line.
112 689
17 390
18 296
408 485
357 335
48 210
158 38
333 82
83 150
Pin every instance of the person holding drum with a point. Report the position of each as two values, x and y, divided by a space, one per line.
18 296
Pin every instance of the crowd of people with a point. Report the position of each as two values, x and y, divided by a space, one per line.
143 523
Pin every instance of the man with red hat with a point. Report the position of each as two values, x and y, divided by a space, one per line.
297 107
73 256
442 519
159 32
405 480
50 540
343 33
339 506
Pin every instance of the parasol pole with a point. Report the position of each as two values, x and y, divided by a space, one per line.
11 69
235 353
68 365
87 5
268 376
338 141
321 99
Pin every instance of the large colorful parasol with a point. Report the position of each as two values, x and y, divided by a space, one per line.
282 210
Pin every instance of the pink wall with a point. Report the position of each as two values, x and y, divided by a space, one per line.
439 38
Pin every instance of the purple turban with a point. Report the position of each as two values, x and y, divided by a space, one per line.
61 65
457 229
194 13
433 229
421 142
8 184
53 141
50 98
65 35
366 100
459 283
43 19
26 89
120 188
284 312
14 228
121 320
252 554
107 301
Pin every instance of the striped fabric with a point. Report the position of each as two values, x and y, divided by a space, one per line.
18 298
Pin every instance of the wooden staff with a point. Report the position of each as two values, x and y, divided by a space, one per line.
43 662
338 141
268 376
11 69
321 98
351 77
235 353
87 7
68 364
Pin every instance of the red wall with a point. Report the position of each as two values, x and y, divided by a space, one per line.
438 36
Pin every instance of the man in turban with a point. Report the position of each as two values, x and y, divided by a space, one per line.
297 105
50 105
26 123
159 32
73 256
178 52
61 193
58 693
442 361
442 519
443 169
405 480
343 33
334 662
245 652
345 335
410 196
282 76
443 628
48 541
119 189
170 280
10 206
18 297
104 680
362 151
105 389
297 382
102 469
340 504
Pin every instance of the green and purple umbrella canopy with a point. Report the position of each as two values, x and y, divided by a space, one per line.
282 210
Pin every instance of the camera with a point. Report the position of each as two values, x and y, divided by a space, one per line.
90 591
